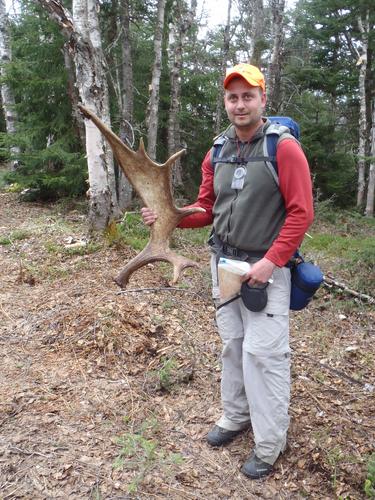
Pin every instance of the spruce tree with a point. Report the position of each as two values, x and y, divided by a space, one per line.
51 160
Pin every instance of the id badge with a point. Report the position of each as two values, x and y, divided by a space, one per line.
238 179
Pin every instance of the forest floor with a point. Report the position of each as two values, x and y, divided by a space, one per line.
109 395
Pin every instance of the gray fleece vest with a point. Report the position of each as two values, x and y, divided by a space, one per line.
249 218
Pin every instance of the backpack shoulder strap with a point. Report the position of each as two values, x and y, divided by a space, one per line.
275 133
216 150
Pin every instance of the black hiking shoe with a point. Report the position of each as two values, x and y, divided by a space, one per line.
220 437
255 468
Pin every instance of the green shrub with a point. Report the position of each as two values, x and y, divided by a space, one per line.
18 234
370 480
140 454
131 231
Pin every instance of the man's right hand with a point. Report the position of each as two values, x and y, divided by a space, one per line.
148 216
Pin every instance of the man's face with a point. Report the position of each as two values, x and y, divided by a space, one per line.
244 104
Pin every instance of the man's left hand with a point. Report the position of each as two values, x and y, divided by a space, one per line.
260 272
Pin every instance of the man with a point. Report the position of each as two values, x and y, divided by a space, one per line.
266 222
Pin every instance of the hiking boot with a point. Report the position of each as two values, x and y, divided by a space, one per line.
255 468
220 437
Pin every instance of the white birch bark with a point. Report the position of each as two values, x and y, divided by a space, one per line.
362 62
7 96
82 31
153 111
369 212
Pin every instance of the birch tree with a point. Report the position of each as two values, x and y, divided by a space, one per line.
83 34
364 27
7 97
274 73
369 212
361 56
118 53
153 110
182 21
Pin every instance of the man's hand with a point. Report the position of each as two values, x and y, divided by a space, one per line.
260 272
148 216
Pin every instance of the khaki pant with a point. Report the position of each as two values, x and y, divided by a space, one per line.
255 384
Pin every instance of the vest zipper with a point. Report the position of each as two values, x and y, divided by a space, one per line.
230 214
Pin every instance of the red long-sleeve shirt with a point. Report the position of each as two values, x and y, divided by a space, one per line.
295 187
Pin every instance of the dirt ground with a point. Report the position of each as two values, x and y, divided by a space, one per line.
108 395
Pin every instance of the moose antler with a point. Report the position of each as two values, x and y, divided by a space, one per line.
152 182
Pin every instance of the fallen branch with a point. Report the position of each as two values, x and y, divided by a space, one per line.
16 450
331 282
365 385
161 289
342 374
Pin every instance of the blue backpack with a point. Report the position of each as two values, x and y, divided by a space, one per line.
279 125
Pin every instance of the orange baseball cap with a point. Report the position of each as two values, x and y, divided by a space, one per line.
251 74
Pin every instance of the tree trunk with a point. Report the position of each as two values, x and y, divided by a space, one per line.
6 92
127 72
256 32
362 62
113 60
274 76
73 95
183 19
223 65
153 111
371 177
125 190
82 31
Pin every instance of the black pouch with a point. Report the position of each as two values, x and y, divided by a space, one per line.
254 297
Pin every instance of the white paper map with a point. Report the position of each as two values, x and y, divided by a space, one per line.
230 273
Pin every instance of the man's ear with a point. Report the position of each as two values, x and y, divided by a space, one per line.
264 99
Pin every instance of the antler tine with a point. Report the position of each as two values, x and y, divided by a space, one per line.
142 150
111 137
152 253
171 160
